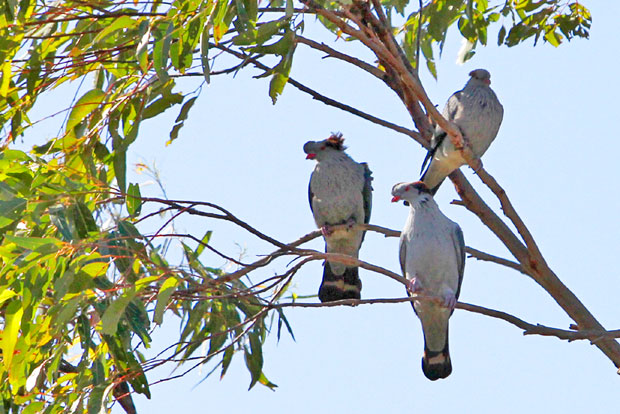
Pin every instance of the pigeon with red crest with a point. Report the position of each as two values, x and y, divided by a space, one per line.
340 196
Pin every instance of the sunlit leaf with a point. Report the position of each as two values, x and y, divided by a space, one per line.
165 292
12 322
84 106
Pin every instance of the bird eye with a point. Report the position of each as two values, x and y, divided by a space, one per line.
407 188
323 147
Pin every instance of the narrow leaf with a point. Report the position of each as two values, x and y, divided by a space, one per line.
204 53
12 322
84 106
31 243
166 290
133 199
112 315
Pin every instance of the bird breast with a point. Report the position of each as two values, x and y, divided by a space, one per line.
337 189
479 118
431 256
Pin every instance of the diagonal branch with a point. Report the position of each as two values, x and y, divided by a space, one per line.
373 70
538 270
328 101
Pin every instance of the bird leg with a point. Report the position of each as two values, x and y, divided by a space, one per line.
449 301
326 230
413 286
350 223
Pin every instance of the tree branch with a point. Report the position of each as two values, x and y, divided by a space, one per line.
341 56
528 328
538 270
328 101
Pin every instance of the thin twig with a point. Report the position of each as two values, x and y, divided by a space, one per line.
490 258
373 70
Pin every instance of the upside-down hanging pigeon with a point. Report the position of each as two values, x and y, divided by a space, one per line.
339 193
432 258
477 113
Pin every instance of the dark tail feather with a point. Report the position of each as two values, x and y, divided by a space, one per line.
332 286
352 284
345 286
436 365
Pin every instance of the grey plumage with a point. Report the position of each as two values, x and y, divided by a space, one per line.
339 193
478 114
432 258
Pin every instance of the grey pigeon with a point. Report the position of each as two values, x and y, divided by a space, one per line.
432 258
477 113
339 193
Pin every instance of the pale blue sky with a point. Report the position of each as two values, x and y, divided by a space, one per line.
556 155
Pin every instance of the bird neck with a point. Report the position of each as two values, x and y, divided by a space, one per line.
335 157
424 204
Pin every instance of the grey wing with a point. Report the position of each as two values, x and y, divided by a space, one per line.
367 192
454 104
310 194
459 248
402 255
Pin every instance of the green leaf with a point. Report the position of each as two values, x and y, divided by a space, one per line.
203 243
254 358
161 52
12 322
95 269
114 312
6 294
282 319
226 359
204 54
263 380
219 15
31 243
160 105
96 399
180 121
501 36
11 210
133 199
118 23
119 162
280 77
553 38
166 290
6 78
84 106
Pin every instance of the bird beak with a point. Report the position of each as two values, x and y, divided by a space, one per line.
395 199
311 156
488 82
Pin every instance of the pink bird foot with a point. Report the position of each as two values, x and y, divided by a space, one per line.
350 223
326 231
449 301
413 286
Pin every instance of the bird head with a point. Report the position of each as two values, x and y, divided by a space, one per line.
410 192
318 150
481 76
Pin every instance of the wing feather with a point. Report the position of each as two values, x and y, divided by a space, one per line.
459 248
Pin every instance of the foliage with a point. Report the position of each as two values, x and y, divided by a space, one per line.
80 285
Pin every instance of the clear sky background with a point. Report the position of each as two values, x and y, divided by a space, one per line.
556 155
